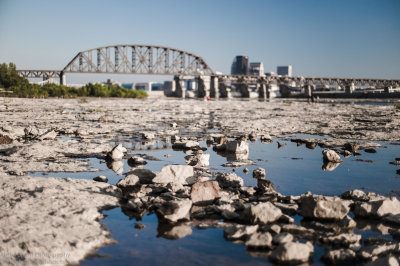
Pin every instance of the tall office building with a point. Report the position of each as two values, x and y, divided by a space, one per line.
284 70
240 65
256 69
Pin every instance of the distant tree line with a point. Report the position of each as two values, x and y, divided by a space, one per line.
16 86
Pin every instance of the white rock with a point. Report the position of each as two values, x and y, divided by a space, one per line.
117 153
259 240
323 207
130 180
147 135
292 252
331 156
282 238
237 146
261 213
49 135
205 192
174 174
198 160
377 208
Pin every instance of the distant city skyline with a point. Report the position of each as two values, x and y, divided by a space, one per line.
357 38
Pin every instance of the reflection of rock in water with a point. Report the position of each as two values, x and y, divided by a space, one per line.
330 166
173 231
116 166
236 156
311 145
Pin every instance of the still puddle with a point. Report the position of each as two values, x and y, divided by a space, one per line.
293 169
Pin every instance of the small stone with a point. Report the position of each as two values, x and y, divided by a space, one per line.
274 229
384 261
229 180
117 153
174 174
49 135
292 252
259 240
370 150
377 208
343 239
264 185
331 156
259 173
198 160
140 226
266 138
355 194
135 161
205 192
147 135
190 145
129 181
260 213
101 178
245 170
146 176
282 238
323 207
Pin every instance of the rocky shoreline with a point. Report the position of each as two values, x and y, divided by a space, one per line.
52 216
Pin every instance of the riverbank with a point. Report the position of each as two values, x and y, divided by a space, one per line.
58 135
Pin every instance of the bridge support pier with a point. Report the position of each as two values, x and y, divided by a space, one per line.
244 90
214 90
180 89
308 91
203 86
223 91
63 79
284 90
349 88
388 89
263 91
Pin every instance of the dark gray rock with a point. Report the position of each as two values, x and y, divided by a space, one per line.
101 178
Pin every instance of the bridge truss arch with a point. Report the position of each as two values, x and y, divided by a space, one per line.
138 59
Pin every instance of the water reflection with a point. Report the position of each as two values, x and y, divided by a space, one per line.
329 166
116 166
173 231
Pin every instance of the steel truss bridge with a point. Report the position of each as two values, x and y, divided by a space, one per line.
161 60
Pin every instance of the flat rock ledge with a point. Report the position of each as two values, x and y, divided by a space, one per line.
48 221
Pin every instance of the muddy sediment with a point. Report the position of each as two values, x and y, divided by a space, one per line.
61 216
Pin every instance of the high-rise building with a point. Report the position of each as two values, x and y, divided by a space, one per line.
284 70
256 69
240 65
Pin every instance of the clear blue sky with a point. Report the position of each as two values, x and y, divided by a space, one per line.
350 38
